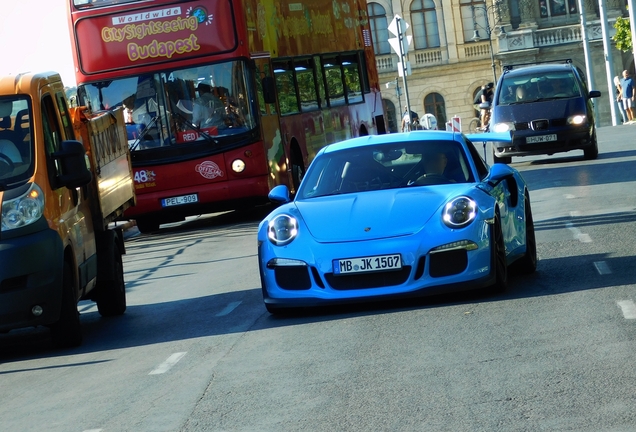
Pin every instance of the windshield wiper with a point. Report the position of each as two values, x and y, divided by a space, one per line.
194 127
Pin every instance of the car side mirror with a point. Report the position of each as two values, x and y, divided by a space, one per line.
594 94
279 195
72 162
498 173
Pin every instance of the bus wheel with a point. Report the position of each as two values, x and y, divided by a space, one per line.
111 292
67 332
147 225
298 172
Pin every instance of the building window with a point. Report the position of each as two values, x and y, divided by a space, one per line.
473 19
379 28
553 8
391 116
434 104
424 21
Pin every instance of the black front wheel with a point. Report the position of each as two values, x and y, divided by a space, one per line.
67 332
111 291
528 263
500 265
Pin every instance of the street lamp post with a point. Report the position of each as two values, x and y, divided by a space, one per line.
398 93
494 10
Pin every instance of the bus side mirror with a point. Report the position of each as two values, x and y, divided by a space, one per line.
71 161
269 90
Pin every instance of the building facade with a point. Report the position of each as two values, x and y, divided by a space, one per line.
459 45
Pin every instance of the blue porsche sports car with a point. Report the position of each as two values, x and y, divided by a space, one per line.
396 215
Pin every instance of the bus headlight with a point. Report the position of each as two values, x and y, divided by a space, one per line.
238 166
23 210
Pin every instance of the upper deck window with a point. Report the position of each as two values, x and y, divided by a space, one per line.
81 4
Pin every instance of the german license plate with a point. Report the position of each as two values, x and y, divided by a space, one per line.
179 200
541 138
367 264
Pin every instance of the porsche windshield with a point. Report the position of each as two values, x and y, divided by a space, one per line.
386 166
177 107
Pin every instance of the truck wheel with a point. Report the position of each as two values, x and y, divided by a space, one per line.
67 332
111 298
147 225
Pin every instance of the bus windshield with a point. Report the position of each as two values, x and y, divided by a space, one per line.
179 106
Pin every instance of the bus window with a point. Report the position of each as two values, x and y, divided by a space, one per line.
306 80
285 87
322 93
333 78
352 78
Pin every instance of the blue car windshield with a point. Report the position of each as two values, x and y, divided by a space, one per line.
386 166
521 89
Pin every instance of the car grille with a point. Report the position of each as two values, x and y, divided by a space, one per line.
368 280
540 124
448 263
292 277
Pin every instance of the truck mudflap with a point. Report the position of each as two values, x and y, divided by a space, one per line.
30 276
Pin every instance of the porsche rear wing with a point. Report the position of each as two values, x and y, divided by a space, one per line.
484 137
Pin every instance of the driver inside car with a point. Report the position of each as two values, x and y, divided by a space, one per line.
434 167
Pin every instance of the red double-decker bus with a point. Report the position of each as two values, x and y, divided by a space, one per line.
225 99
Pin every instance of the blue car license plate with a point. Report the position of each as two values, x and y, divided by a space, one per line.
367 264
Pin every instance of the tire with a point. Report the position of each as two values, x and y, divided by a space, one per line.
528 263
147 225
67 332
473 126
298 172
591 152
503 160
111 293
499 264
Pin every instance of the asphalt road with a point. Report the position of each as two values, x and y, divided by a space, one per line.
196 350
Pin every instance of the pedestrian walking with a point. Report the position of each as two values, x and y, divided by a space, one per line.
619 98
627 85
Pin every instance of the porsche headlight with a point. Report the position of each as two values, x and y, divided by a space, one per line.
577 120
23 210
459 212
282 229
503 127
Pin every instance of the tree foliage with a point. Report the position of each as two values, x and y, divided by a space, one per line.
623 36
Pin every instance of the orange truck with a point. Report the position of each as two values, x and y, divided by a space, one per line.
65 178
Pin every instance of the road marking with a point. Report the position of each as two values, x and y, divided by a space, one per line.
628 307
229 308
578 235
165 366
602 268
93 430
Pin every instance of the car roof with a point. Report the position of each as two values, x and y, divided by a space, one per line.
394 138
525 70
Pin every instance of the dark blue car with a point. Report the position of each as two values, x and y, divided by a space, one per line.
549 110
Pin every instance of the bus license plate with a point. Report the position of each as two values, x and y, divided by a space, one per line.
367 264
541 138
179 200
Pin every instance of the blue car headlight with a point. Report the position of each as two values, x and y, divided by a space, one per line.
503 127
459 212
282 229
23 210
577 119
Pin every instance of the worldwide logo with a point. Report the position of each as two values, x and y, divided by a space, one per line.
209 170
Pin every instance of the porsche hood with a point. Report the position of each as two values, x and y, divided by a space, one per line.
377 215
